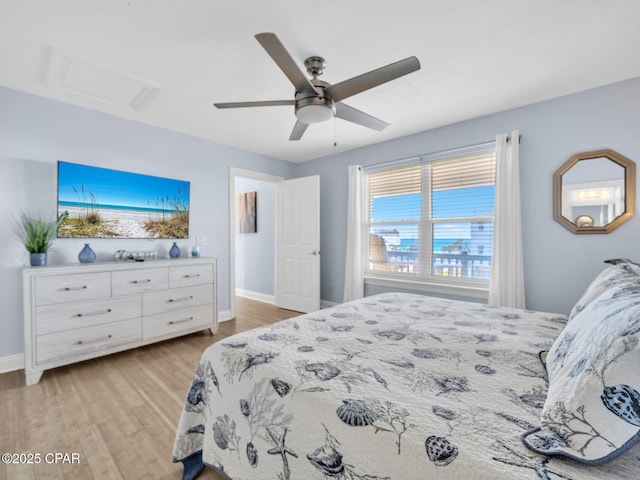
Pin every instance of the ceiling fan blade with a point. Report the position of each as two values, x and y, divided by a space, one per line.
371 79
274 47
267 103
298 129
354 115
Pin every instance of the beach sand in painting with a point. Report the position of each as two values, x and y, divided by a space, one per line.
125 223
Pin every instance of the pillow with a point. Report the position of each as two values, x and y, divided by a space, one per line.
621 270
592 410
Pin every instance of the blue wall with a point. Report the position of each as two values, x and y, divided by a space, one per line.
558 264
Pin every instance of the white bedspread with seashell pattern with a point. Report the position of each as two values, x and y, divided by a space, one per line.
393 386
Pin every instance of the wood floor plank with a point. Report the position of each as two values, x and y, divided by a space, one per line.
118 413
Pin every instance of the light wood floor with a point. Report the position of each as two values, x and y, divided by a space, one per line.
118 413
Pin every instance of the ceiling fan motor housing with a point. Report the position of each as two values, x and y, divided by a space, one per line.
312 107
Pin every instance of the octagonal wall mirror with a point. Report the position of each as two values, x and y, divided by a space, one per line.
594 192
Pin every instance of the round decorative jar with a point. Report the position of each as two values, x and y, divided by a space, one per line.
174 251
87 255
195 252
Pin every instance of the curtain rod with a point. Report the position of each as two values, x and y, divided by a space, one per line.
439 154
519 138
442 153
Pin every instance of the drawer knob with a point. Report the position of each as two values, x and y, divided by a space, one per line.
175 322
68 289
191 275
146 280
181 299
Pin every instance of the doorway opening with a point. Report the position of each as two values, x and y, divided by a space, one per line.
252 264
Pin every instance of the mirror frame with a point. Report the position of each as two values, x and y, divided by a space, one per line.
629 191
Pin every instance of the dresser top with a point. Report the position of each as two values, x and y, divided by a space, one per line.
110 266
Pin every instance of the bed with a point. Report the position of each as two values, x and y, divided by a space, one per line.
403 386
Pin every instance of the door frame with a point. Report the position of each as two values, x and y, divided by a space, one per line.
233 173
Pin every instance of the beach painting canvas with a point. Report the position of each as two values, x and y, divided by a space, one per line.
104 203
246 213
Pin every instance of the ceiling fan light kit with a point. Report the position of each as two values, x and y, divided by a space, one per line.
315 110
317 101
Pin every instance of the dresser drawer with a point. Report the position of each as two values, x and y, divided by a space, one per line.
186 275
127 282
178 321
176 299
82 341
70 288
61 317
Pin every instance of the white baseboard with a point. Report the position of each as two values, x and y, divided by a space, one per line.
327 304
11 363
260 297
225 316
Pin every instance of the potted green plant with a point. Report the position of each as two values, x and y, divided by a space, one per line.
38 236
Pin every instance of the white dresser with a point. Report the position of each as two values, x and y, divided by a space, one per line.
82 311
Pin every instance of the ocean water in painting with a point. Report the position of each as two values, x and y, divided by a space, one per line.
104 203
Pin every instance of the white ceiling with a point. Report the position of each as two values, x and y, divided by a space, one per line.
164 62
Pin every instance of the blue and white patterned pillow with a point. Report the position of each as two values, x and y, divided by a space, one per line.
592 410
621 270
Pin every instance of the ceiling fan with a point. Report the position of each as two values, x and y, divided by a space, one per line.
317 101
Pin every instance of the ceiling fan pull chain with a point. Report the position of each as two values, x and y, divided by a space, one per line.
335 134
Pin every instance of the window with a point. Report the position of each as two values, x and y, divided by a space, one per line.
430 220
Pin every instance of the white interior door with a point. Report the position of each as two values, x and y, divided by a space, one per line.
298 244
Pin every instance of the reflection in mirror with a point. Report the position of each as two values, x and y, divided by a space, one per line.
594 192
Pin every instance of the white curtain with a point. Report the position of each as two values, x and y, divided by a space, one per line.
353 281
506 287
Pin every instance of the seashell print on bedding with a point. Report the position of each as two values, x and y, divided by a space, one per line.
323 371
244 407
341 328
356 413
281 387
221 435
426 353
269 337
199 429
443 412
197 393
485 337
252 455
392 335
485 370
624 402
328 460
440 450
